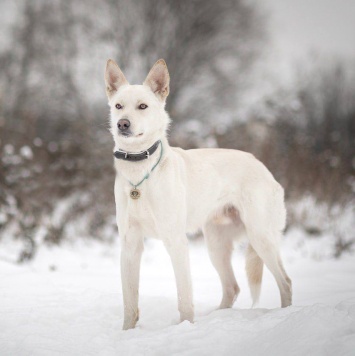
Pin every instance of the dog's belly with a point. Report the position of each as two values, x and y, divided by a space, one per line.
218 211
207 201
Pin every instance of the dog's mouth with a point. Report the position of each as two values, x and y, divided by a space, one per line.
130 134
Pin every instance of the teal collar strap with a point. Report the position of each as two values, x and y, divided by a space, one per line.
148 174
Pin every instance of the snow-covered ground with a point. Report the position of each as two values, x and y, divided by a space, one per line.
68 302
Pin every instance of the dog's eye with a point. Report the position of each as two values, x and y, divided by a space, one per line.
118 106
142 106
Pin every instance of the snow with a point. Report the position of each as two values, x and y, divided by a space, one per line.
68 302
26 152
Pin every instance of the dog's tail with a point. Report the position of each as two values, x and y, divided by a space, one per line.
254 268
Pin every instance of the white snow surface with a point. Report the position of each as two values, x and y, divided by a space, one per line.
68 301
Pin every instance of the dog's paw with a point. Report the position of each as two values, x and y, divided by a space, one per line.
189 316
229 297
129 324
130 321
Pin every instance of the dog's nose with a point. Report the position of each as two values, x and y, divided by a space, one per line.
123 124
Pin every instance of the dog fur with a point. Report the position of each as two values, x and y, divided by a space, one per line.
226 193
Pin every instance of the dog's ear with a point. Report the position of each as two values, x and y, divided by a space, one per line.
114 78
158 79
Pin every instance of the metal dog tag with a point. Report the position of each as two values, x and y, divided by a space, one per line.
135 193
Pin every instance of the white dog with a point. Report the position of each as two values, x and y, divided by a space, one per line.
164 192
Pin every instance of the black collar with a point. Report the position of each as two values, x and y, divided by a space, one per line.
134 157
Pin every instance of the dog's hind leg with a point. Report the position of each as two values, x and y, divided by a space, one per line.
263 214
265 243
270 255
219 240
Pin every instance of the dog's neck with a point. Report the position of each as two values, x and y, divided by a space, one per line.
134 171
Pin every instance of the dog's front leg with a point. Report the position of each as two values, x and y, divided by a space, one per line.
131 253
177 248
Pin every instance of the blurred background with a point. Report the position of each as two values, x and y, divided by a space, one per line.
275 78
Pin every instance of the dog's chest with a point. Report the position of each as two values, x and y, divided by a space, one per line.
159 206
141 212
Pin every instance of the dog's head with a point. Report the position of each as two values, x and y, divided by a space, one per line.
138 116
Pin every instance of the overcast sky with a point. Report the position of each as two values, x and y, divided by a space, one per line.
298 26
301 26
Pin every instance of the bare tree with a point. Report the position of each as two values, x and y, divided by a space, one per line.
208 45
43 92
53 103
